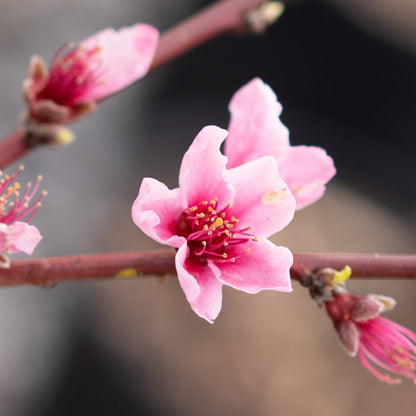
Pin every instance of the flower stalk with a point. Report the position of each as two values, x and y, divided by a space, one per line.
49 271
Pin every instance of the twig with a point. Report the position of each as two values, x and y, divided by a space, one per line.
47 272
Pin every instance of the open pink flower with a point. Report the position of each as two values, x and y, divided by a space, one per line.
218 220
15 211
377 341
255 130
80 75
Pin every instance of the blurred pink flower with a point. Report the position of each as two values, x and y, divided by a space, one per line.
80 75
377 341
218 220
255 130
15 211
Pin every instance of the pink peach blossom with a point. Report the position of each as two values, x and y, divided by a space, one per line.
218 221
377 341
15 211
80 75
255 130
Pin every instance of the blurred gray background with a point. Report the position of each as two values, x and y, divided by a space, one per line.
345 74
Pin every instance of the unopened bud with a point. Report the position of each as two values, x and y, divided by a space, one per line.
48 134
63 137
266 14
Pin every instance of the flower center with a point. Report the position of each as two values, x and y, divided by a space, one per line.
72 72
13 205
213 234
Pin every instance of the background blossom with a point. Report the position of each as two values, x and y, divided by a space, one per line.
255 130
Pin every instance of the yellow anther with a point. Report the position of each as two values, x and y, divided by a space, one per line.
205 227
218 222
225 244
204 202
225 255
248 249
204 243
209 233
232 259
192 209
223 215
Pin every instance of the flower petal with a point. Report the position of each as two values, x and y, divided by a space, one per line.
156 211
255 129
262 199
202 290
306 170
265 266
125 57
202 173
19 237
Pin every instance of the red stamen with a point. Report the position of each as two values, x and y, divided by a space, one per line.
208 232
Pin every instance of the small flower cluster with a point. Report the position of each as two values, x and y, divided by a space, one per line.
226 207
378 342
16 210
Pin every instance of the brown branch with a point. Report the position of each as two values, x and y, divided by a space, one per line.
13 147
113 266
227 16
380 266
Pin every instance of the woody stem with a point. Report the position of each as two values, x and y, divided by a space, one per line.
114 266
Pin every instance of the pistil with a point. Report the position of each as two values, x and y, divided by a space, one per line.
214 234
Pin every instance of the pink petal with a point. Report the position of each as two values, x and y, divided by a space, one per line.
262 199
19 237
202 290
255 129
265 266
202 173
125 57
156 211
306 170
